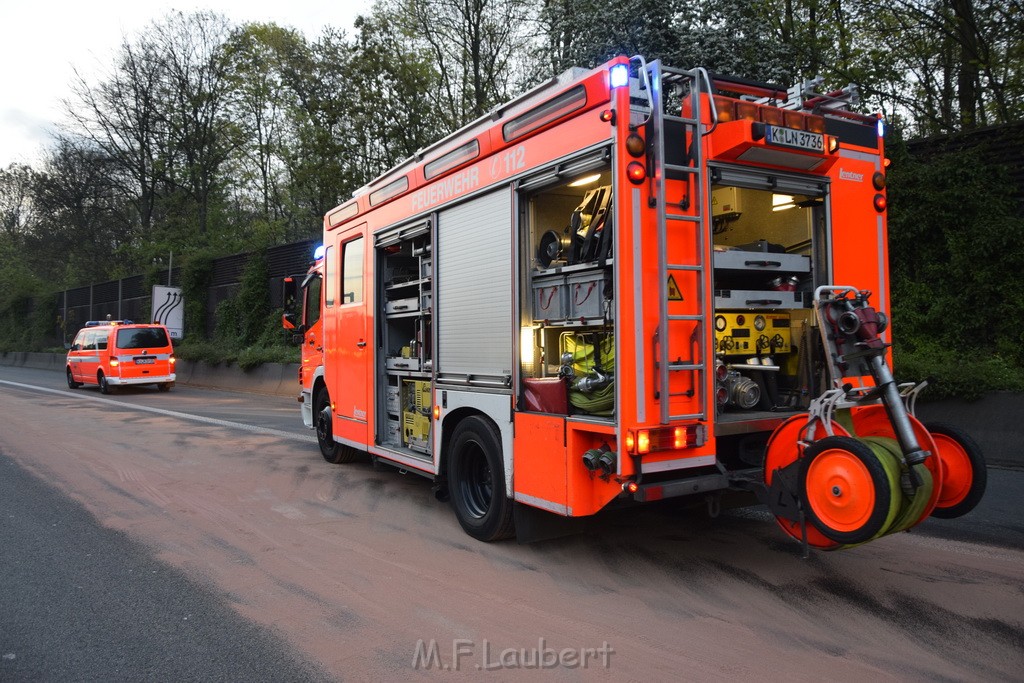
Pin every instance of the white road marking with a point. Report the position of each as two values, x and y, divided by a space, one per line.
169 413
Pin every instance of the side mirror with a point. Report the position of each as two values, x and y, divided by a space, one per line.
288 321
67 346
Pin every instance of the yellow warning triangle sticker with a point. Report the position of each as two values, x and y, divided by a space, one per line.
673 290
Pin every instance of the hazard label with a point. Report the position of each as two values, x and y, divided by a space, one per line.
673 290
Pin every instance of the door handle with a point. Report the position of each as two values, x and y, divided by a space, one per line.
361 344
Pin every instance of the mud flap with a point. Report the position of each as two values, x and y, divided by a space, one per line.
534 524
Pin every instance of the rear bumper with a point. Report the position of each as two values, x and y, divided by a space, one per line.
148 379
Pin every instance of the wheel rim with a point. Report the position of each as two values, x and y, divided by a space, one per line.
475 482
840 490
957 471
323 426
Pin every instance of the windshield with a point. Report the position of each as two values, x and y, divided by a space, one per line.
142 338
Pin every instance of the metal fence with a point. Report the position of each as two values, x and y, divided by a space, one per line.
129 299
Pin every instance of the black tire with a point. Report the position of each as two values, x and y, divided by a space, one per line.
333 452
72 384
164 386
979 471
873 471
105 387
476 481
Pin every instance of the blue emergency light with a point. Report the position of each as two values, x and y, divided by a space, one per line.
619 76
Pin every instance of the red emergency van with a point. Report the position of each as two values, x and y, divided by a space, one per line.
117 353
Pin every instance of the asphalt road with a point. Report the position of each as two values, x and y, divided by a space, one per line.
197 535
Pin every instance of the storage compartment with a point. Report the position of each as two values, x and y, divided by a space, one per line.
735 259
408 364
550 299
757 299
587 293
402 305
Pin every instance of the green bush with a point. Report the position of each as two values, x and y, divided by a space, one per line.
951 373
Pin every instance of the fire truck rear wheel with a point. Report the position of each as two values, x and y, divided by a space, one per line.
164 386
105 387
72 384
964 473
476 481
333 452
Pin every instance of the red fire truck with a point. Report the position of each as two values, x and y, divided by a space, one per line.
632 283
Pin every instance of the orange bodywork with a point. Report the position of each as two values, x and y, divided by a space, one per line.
651 317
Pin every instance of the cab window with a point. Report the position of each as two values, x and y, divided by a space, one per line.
312 309
142 338
79 342
90 341
352 272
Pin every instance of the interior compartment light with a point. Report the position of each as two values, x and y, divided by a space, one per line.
585 180
619 76
781 202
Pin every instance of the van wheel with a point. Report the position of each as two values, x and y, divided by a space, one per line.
166 386
105 388
72 384
333 452
476 476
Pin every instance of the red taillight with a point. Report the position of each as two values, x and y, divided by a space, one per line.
636 172
608 115
880 203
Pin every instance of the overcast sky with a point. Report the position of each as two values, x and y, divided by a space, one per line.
42 42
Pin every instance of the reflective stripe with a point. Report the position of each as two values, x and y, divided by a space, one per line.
543 504
157 356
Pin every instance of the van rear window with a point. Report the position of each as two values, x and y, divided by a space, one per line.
142 338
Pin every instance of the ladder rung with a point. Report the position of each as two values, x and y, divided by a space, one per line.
687 367
681 169
692 416
681 217
676 266
698 316
680 119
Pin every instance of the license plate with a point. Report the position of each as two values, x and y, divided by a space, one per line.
798 139
145 361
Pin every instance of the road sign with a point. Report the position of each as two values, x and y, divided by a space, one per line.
169 309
